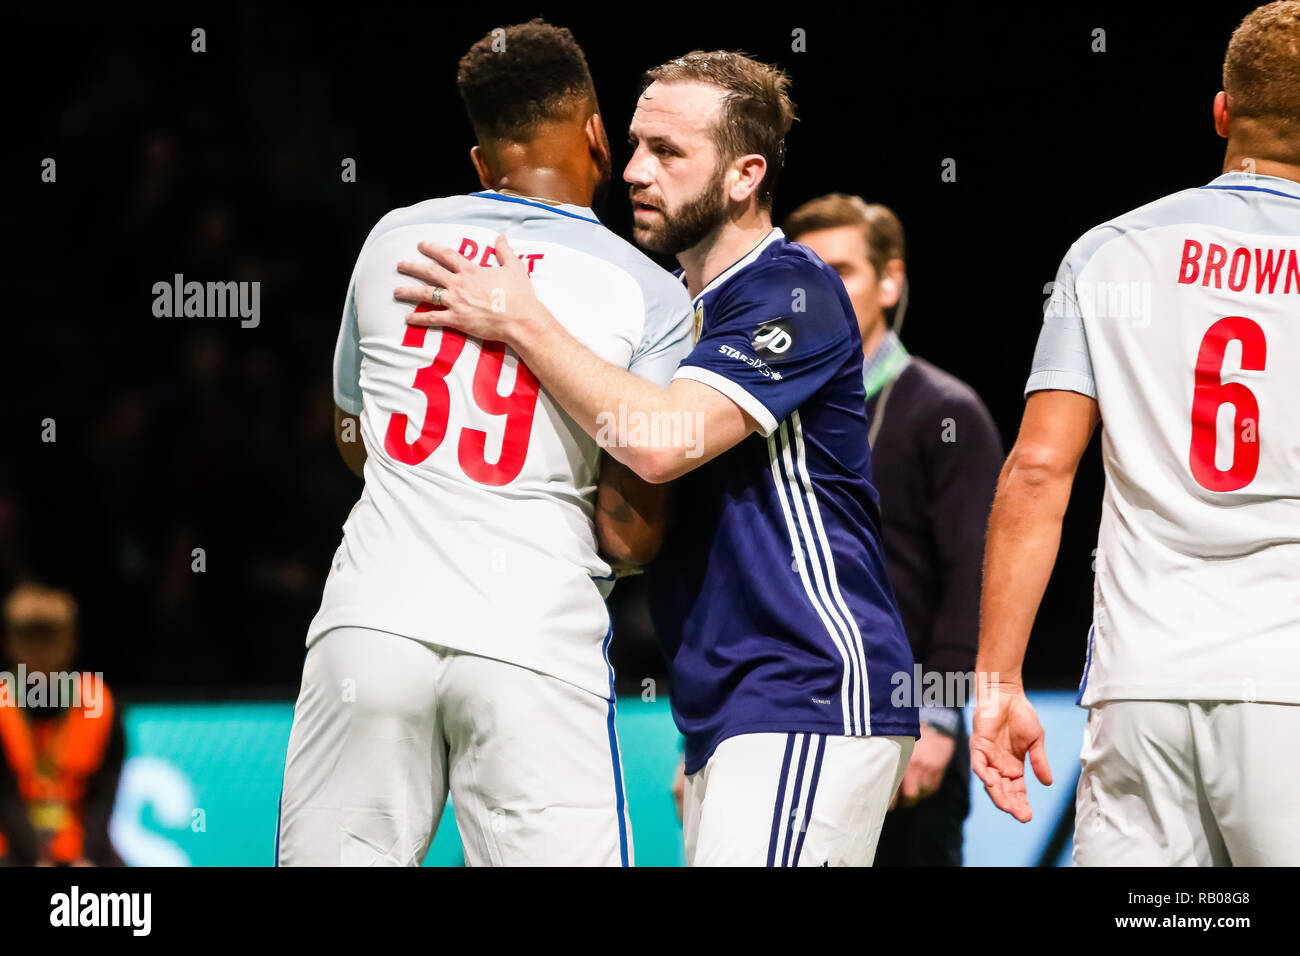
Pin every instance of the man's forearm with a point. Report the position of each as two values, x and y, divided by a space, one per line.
630 417
1023 537
585 385
625 414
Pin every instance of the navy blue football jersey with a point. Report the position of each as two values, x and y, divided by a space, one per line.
770 595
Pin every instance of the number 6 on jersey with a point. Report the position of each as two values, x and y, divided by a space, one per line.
1212 393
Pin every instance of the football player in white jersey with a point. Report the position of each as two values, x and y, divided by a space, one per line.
1178 326
461 639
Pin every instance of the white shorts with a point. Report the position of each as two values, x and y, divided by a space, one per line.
794 799
1189 783
385 726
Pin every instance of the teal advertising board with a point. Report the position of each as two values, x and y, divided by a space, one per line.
201 787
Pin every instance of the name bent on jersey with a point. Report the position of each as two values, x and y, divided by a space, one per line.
770 595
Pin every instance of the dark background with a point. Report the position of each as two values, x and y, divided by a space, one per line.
180 433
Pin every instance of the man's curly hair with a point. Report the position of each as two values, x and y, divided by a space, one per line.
520 76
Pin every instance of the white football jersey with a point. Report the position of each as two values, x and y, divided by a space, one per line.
475 530
1182 318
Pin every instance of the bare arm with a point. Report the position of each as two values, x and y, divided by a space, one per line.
1025 524
694 422
631 516
347 436
1023 537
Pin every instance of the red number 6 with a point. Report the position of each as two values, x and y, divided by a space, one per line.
1212 393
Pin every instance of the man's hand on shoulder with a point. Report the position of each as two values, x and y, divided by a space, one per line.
487 302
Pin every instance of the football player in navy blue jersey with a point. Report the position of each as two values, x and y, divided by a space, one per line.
770 596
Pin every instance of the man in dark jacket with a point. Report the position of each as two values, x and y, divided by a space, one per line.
936 456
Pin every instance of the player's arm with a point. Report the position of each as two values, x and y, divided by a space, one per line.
631 516
347 386
606 401
592 391
1024 534
1024 530
347 436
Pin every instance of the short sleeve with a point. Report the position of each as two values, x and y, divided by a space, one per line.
667 338
1061 359
347 356
775 338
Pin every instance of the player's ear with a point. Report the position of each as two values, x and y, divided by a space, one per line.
481 167
890 286
745 176
1222 121
597 140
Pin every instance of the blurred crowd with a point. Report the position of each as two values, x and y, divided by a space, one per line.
179 475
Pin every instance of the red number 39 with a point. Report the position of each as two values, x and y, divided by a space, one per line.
518 408
1212 393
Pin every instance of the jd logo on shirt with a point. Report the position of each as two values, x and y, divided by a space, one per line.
773 337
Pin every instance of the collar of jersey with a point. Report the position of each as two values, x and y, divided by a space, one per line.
559 208
736 266
1254 182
